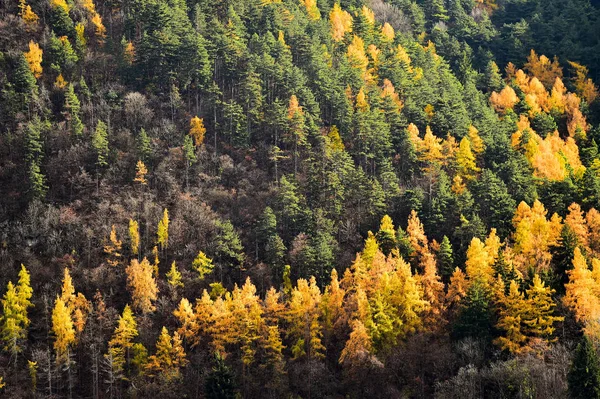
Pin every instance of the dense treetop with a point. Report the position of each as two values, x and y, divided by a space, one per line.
299 198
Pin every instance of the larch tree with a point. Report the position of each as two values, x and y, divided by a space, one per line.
142 285
63 330
169 358
341 22
203 265
134 237
197 130
112 249
121 343
162 233
580 295
13 322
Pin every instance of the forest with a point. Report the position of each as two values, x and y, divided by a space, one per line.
299 199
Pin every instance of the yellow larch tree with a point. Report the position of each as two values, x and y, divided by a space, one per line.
341 22
416 235
465 160
584 86
577 223
142 285
357 57
162 234
534 235
197 130
134 237
592 219
513 308
26 13
387 32
63 330
543 69
580 295
505 100
169 358
140 173
112 249
311 9
121 343
34 58
189 327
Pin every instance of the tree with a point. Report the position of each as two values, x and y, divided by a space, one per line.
34 57
203 265
220 382
121 343
13 322
584 374
100 144
475 314
140 173
445 259
62 328
296 135
465 160
113 248
581 296
386 236
169 357
134 237
357 351
72 111
341 22
174 277
163 231
197 130
142 285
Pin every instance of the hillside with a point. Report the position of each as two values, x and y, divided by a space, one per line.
299 198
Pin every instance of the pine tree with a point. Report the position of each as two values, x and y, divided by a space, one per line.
584 374
386 236
100 144
220 382
72 111
445 259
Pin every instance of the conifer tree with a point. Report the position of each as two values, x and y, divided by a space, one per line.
203 265
63 330
142 285
134 237
100 144
584 374
121 343
163 231
13 322
72 111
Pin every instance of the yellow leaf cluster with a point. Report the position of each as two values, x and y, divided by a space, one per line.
341 22
34 58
